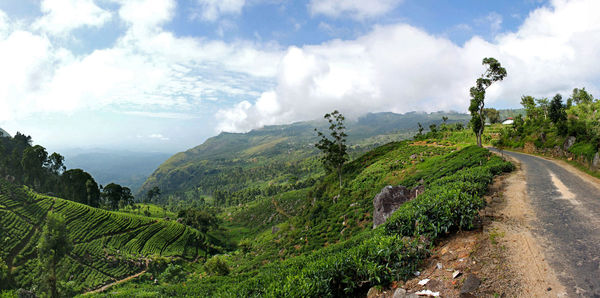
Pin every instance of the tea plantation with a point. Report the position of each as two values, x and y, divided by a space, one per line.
107 246
319 241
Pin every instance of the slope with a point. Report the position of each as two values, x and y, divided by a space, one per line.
318 241
273 155
107 245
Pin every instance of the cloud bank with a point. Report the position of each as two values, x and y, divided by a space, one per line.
401 68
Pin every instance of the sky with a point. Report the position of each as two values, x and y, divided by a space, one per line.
164 75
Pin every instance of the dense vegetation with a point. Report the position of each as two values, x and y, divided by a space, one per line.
25 164
232 169
106 245
318 242
547 124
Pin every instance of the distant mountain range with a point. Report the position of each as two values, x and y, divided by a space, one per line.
262 155
126 168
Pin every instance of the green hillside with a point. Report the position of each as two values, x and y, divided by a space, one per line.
267 159
318 241
106 245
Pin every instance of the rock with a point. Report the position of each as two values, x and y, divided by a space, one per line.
455 274
22 293
399 293
470 285
390 199
274 229
596 160
374 293
570 141
413 156
423 282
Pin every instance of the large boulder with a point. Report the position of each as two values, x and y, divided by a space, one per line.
569 142
390 199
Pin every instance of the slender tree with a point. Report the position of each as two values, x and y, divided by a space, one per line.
494 72
54 245
334 149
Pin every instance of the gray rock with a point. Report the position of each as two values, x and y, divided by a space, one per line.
596 161
390 199
274 230
570 141
470 285
399 293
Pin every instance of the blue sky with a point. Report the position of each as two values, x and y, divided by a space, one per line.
163 75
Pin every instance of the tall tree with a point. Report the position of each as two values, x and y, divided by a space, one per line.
153 193
492 115
528 102
557 111
494 73
54 245
334 149
33 161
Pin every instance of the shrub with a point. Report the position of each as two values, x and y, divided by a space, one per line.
216 266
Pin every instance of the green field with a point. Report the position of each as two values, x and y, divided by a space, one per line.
107 245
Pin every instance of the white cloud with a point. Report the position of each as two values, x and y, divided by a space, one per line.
358 9
211 10
402 68
158 137
147 69
62 16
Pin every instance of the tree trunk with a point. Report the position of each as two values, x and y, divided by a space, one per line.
340 176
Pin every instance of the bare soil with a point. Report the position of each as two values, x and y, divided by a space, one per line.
502 252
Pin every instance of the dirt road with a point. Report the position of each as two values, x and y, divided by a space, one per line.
565 220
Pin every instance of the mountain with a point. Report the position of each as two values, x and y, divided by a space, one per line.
107 245
273 155
3 133
126 168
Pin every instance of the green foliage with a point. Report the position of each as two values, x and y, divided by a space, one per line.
3 274
216 266
493 73
326 248
492 115
54 246
334 150
106 245
173 273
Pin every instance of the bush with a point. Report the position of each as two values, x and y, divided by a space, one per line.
216 266
173 273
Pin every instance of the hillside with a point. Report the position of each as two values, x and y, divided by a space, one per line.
318 241
274 155
106 245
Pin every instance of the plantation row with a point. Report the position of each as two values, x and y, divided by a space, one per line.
107 245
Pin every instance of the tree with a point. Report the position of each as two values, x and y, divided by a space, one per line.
544 104
528 102
494 73
557 111
153 193
33 161
492 115
56 163
581 96
54 245
116 196
334 149
80 186
3 274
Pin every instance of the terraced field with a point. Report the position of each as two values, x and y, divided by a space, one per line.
107 246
